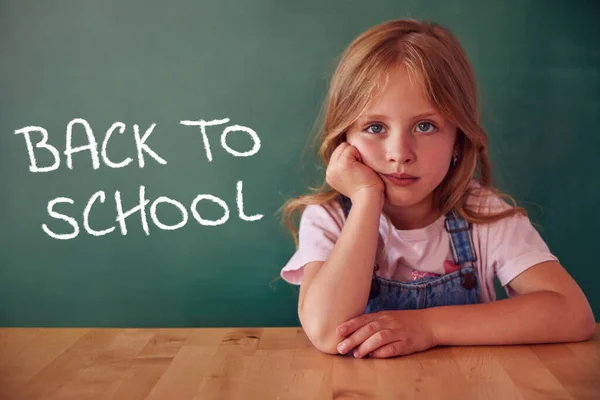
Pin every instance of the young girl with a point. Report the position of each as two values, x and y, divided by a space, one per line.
398 249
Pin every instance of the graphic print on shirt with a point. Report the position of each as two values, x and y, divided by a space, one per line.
449 267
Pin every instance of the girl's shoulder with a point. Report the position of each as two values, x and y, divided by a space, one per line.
504 225
329 215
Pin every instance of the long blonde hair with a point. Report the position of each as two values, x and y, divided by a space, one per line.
432 53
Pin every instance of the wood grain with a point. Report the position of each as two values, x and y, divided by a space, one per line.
276 363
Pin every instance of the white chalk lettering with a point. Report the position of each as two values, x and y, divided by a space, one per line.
141 208
43 144
141 146
109 132
86 215
100 197
203 124
164 199
208 222
92 146
69 220
239 128
240 205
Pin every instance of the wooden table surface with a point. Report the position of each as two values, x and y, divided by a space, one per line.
277 363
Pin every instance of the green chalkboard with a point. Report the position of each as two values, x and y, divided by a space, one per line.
257 71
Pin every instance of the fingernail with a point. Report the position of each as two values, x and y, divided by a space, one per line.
355 353
341 348
343 331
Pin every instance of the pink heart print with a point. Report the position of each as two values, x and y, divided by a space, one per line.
449 267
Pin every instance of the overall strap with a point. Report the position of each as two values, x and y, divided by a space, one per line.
462 246
460 238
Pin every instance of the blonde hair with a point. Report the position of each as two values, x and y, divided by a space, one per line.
432 54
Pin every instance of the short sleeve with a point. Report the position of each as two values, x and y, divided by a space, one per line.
320 227
514 245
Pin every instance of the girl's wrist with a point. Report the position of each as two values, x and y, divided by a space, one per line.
371 198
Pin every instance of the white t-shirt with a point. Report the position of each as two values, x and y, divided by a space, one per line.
504 248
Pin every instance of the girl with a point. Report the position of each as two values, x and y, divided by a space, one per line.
399 248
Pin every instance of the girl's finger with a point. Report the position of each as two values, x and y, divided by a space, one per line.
359 156
350 154
356 323
338 152
358 337
383 344
397 348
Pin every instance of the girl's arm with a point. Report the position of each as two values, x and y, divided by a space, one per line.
337 290
550 308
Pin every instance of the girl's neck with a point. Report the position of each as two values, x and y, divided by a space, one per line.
414 217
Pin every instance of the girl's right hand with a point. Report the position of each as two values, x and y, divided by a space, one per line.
347 174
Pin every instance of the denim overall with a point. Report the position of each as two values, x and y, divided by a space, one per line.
456 288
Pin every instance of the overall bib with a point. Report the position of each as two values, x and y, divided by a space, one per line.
456 288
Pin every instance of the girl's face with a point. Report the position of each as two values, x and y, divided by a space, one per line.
401 132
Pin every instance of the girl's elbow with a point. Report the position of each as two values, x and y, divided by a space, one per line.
579 320
584 325
322 338
326 346
588 327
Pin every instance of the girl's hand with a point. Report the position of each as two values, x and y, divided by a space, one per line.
347 174
387 334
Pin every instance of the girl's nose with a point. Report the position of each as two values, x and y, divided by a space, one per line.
400 149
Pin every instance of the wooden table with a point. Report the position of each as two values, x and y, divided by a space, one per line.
277 363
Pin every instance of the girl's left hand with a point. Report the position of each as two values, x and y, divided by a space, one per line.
387 334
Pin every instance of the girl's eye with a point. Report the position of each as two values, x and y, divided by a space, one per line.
425 127
377 128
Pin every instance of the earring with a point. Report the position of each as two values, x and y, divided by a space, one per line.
454 160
